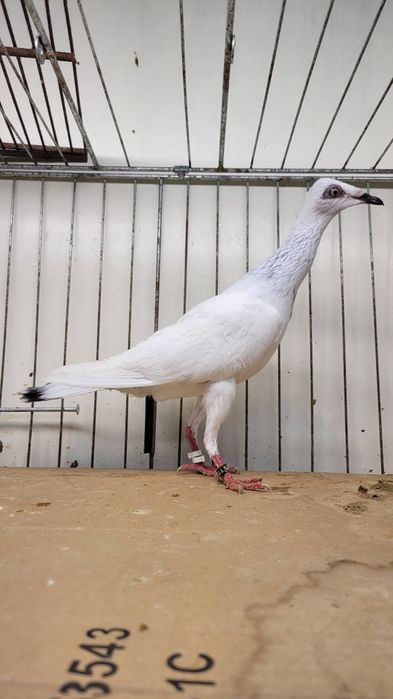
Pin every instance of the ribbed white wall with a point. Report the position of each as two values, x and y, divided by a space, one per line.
329 425
147 96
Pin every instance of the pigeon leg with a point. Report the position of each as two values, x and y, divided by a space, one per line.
217 401
191 434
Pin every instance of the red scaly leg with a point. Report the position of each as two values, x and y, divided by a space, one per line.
198 466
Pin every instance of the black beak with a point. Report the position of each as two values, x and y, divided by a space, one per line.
368 199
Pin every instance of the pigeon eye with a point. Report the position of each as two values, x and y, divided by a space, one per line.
332 192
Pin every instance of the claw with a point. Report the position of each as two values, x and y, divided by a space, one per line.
241 484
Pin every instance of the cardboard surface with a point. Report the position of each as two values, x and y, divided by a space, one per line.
279 595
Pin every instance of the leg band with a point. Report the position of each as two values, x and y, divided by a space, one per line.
196 457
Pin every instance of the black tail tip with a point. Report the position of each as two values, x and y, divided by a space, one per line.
32 394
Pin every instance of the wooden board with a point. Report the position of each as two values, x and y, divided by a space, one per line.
210 593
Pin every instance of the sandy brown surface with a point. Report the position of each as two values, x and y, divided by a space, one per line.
289 593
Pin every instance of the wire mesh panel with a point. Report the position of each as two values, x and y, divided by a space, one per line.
73 252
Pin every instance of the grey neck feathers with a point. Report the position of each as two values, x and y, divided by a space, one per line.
286 269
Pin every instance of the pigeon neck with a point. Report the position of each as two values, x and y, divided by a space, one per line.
289 265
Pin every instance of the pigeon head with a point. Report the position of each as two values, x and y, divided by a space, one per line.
328 196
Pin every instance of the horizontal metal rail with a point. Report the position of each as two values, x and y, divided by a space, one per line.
41 410
186 174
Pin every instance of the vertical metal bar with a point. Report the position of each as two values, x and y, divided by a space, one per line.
310 72
344 347
311 354
183 63
98 335
151 406
185 288
37 313
67 313
375 328
100 73
246 400
130 293
279 420
348 85
228 58
269 80
217 237
7 286
311 365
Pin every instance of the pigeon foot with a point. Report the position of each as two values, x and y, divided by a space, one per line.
204 470
241 484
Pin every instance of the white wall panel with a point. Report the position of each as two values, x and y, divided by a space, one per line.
295 364
382 225
262 388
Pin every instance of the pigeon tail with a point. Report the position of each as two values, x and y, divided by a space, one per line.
52 391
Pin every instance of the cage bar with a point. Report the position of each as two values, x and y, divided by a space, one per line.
7 287
67 314
185 289
130 292
62 82
306 84
349 83
20 64
376 347
228 59
344 344
98 325
27 92
103 83
279 416
37 313
269 80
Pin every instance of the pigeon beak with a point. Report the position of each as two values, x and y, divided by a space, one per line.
368 199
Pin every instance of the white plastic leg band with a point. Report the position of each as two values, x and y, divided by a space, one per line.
196 457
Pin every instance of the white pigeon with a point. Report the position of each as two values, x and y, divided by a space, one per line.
220 342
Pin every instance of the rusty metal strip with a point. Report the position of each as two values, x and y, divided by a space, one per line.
59 74
32 102
20 64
